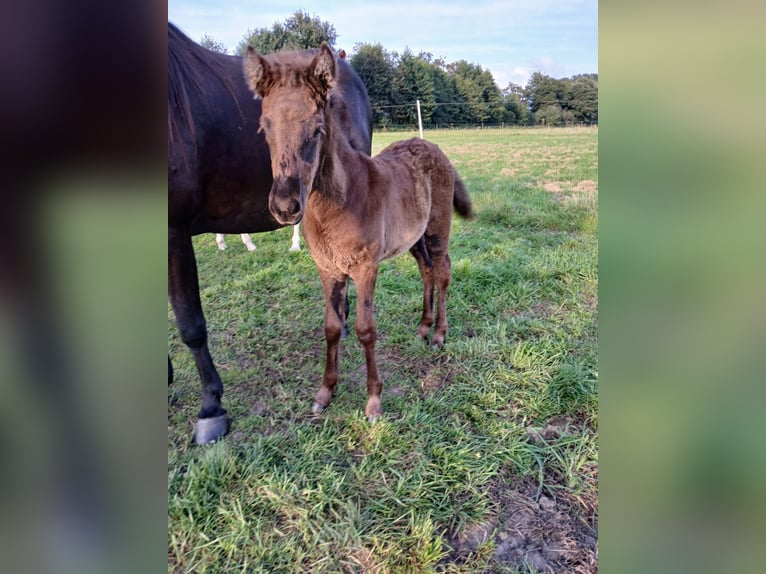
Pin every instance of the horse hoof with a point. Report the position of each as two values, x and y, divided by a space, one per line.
372 418
317 409
295 248
211 429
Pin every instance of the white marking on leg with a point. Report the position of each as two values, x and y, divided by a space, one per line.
296 246
247 241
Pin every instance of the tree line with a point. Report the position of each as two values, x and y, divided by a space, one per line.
454 93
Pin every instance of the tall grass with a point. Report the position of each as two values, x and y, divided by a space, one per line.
505 414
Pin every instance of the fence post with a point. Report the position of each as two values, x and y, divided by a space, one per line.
420 121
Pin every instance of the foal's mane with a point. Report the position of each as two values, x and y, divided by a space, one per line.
287 69
190 67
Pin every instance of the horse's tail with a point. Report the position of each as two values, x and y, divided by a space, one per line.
460 200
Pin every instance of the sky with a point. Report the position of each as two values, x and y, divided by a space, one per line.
510 38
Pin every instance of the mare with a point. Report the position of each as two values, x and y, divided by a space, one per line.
356 210
219 178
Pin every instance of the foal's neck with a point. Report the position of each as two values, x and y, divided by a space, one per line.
338 162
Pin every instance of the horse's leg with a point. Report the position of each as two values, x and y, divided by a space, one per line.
335 292
425 265
437 247
220 241
296 246
247 241
367 333
183 291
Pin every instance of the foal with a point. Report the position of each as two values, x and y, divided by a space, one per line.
356 210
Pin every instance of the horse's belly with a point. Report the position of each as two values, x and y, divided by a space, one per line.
404 239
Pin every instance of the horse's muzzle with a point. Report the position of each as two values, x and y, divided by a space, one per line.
285 200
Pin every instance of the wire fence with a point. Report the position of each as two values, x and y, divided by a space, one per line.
385 123
413 127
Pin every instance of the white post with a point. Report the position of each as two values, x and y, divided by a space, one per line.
420 120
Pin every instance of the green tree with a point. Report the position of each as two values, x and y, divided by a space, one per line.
549 115
375 67
515 105
413 80
542 91
299 32
477 86
213 45
451 105
583 98
576 98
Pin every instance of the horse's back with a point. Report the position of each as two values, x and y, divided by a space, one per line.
424 163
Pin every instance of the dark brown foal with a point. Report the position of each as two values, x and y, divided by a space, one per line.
356 210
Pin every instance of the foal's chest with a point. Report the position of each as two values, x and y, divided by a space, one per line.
337 246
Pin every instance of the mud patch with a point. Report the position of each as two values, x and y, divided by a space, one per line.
533 535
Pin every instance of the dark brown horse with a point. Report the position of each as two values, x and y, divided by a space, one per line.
357 210
219 177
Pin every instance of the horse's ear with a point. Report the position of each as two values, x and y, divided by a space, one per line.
257 72
323 69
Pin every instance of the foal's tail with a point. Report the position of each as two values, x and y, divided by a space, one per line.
460 200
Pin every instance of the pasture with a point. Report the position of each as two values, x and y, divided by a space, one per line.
485 459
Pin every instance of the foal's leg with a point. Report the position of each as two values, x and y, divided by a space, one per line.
335 291
247 241
425 265
296 246
220 241
183 291
442 276
367 333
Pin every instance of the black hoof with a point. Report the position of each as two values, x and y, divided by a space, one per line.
211 429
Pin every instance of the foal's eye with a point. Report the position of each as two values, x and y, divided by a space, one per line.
317 131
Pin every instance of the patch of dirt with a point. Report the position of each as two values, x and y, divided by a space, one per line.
556 427
586 185
555 535
582 193
507 172
363 560
435 378
552 187
534 531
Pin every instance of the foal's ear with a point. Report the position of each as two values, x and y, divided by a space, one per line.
257 72
322 71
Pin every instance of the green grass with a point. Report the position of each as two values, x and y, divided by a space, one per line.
503 419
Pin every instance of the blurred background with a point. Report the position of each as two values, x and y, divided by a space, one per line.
681 257
82 286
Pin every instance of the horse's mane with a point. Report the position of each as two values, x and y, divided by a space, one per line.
189 68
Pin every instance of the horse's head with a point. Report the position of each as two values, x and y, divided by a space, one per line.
295 89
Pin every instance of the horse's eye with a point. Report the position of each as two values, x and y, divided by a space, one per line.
317 131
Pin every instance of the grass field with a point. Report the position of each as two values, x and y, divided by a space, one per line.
486 458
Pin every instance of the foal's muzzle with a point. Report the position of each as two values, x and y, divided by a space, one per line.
285 200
